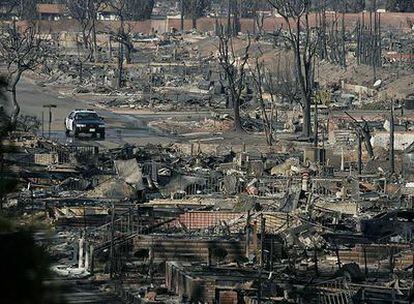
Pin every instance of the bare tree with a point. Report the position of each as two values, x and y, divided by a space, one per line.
258 75
234 70
28 9
123 35
369 46
195 9
233 17
85 12
140 9
400 5
303 41
82 58
129 10
24 9
279 82
281 79
21 50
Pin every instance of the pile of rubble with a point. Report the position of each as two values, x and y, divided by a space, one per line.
245 225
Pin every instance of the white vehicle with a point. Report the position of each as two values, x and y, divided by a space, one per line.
84 121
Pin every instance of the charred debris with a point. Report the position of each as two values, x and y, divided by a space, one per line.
154 224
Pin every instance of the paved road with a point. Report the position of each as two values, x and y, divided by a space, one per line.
121 128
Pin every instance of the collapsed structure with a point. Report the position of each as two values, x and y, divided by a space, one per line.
234 227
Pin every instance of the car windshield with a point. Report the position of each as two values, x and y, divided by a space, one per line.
87 116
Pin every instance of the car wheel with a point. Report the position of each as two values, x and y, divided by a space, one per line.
76 133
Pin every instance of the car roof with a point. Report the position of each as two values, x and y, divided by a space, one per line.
84 111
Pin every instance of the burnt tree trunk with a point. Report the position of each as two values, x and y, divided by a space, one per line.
128 51
237 120
258 76
235 76
13 90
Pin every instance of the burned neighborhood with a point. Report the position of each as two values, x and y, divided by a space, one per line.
207 151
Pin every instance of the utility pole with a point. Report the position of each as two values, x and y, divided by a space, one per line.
392 155
50 106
